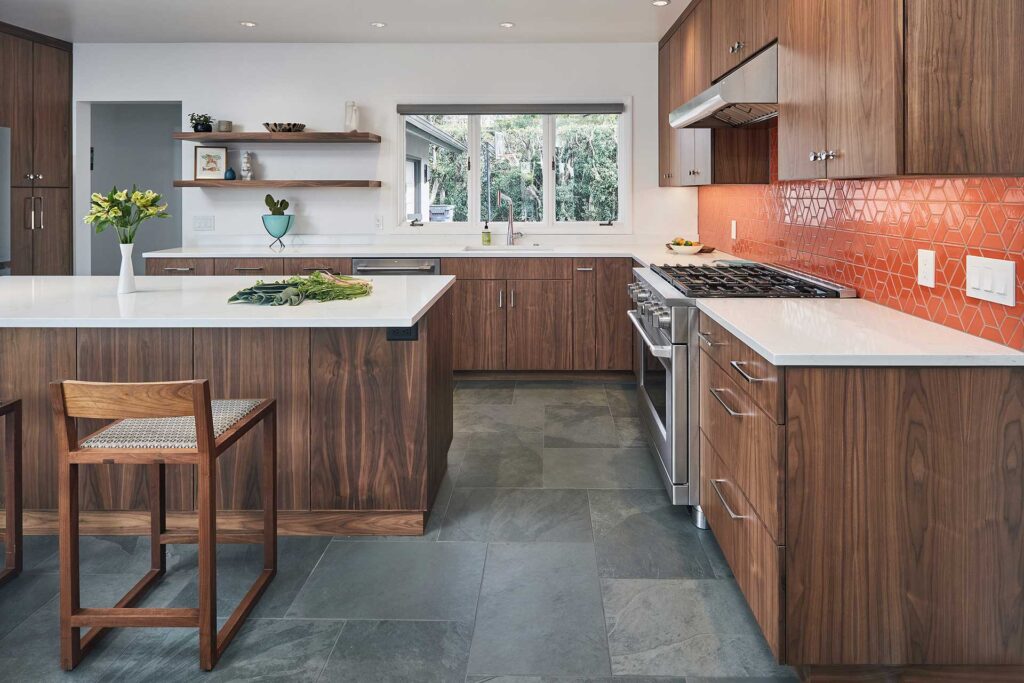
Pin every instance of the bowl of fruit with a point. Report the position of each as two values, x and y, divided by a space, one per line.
684 246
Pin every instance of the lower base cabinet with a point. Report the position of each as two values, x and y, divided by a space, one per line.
539 329
479 325
41 231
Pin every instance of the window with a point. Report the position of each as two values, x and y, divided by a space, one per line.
557 168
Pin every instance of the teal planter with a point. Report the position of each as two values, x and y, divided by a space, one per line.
277 227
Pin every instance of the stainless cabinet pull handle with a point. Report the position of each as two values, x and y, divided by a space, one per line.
717 394
39 176
314 270
389 269
30 224
585 270
178 270
501 298
714 485
253 268
42 222
830 155
706 338
743 373
30 176
511 298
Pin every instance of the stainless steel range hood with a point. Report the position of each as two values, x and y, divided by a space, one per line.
748 95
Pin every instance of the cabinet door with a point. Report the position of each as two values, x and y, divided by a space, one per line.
305 266
21 230
864 115
539 325
248 266
479 324
51 97
584 314
16 104
614 332
964 94
695 52
803 56
739 28
51 241
669 139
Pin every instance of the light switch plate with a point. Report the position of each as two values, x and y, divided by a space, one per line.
204 223
992 280
926 267
734 229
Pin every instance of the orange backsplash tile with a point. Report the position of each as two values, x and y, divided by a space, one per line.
866 233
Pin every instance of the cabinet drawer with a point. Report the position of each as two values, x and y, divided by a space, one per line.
306 266
179 266
249 266
755 559
508 268
761 380
749 441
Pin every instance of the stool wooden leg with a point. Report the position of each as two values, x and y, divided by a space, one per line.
70 637
207 508
157 516
13 551
269 482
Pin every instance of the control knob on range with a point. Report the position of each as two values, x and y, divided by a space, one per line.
663 318
642 295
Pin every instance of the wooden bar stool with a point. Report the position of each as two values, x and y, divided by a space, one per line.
158 424
13 552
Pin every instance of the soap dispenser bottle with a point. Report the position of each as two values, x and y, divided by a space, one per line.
485 236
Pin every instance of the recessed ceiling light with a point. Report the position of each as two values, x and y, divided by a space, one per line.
248 24
661 3
377 24
507 24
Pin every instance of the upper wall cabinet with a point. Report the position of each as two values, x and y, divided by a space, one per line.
739 28
965 86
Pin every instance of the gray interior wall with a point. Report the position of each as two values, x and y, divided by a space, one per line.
132 145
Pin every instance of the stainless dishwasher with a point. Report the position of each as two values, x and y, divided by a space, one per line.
396 266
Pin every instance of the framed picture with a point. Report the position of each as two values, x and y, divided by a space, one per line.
211 163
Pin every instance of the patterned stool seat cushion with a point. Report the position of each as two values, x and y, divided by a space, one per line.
169 432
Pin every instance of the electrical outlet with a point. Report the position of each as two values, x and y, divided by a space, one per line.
992 280
379 222
734 229
926 267
204 223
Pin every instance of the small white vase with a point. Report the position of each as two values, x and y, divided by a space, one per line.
126 280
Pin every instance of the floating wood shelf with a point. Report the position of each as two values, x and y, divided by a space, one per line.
257 136
242 184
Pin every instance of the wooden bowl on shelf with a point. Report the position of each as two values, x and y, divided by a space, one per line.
285 127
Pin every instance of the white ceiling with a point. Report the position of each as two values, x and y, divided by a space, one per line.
319 21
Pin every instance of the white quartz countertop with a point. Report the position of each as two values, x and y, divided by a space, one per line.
179 302
646 255
850 332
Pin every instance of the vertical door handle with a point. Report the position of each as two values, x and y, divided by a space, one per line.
41 221
511 298
501 298
29 224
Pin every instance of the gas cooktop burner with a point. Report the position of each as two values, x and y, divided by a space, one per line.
742 281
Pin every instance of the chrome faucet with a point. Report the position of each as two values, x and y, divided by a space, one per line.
512 234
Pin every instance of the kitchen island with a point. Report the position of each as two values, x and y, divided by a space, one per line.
364 392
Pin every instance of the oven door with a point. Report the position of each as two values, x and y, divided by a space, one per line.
661 370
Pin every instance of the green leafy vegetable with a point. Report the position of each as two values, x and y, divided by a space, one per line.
319 286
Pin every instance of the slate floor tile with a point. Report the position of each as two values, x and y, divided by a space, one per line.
373 580
640 534
499 419
622 399
434 519
400 651
494 514
537 612
579 426
631 432
575 393
35 549
683 628
577 679
714 554
512 460
599 468
484 392
22 596
265 649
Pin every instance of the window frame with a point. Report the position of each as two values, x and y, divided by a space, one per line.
549 226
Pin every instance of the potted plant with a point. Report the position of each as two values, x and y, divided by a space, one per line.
125 211
276 223
201 123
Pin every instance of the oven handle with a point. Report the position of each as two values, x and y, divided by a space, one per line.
656 351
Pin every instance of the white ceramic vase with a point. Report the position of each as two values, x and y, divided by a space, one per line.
126 280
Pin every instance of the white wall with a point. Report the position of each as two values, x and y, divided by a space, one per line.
252 83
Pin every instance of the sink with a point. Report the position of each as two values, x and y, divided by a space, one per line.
505 247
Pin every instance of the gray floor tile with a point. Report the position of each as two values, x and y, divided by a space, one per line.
575 393
372 580
500 419
790 677
491 514
35 550
239 565
265 649
622 399
434 520
538 607
511 460
32 651
599 468
107 555
484 392
23 595
714 553
579 426
577 679
641 535
631 432
683 628
400 651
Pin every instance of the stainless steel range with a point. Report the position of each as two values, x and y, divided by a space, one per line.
665 317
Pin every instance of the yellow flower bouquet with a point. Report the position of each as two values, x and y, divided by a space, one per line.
125 211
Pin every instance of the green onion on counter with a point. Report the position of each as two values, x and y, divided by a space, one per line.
319 286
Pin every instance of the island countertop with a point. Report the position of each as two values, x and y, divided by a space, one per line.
178 302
